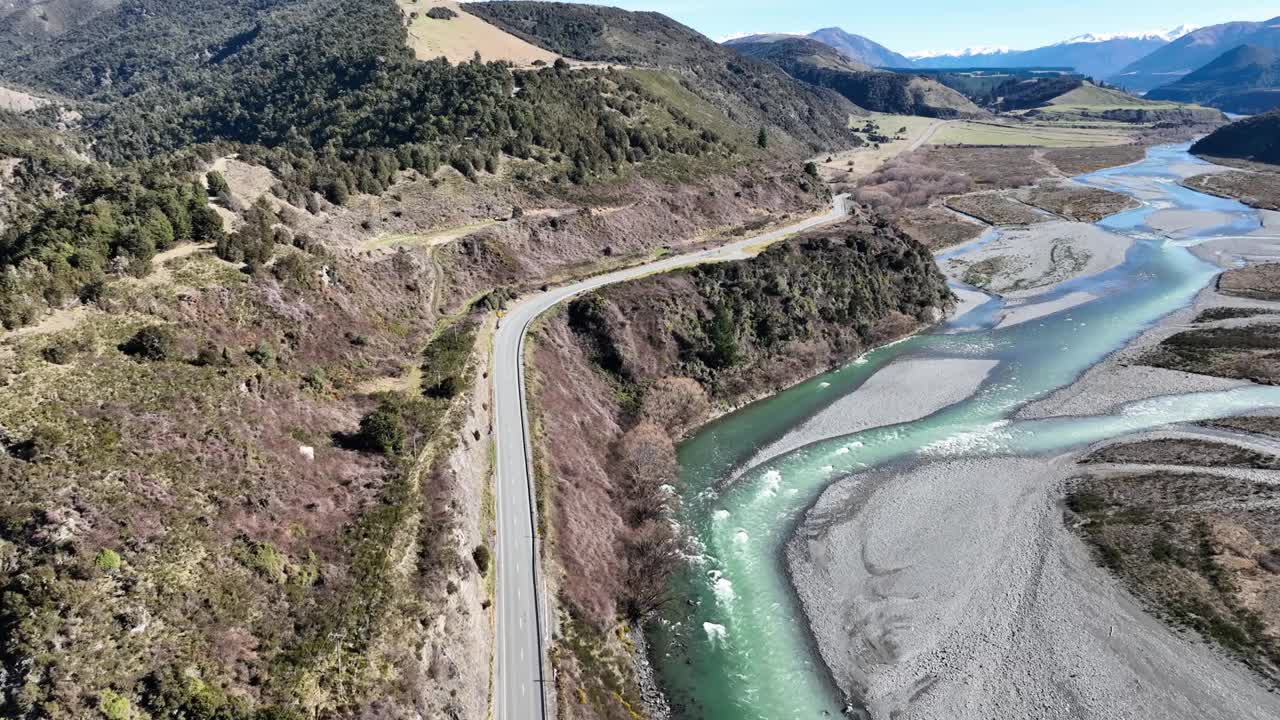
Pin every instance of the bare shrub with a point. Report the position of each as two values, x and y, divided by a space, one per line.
651 553
905 183
645 461
676 404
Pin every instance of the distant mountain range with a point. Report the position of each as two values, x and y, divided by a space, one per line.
1193 51
1095 55
1092 54
1227 66
854 47
1244 80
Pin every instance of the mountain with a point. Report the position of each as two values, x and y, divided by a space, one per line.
860 48
1256 138
788 51
748 92
854 47
1244 80
1195 50
1096 56
876 90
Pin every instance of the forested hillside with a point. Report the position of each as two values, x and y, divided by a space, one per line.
643 362
1244 80
326 94
1256 138
749 92
249 252
876 90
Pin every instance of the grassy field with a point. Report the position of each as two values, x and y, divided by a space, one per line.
986 133
863 160
891 124
1092 97
459 38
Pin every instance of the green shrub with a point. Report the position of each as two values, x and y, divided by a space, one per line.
217 183
114 706
264 559
482 558
263 354
60 352
44 443
296 272
445 389
154 342
316 380
107 560
383 430
724 339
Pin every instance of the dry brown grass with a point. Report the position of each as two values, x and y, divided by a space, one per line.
996 209
1256 189
1079 161
1260 282
1202 550
458 39
937 228
18 101
1077 202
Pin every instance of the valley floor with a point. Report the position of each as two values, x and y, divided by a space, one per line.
953 588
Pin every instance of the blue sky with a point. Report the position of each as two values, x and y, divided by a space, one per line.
947 24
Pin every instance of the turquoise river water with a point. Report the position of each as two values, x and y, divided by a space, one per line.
735 645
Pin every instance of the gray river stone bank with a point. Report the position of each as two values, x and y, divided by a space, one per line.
905 390
953 589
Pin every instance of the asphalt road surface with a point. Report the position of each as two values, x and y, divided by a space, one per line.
523 675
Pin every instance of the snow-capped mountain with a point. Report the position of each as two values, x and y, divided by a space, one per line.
966 52
1194 50
1094 54
1165 35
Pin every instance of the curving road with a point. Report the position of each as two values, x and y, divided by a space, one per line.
523 616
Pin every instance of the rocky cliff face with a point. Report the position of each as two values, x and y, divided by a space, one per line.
622 374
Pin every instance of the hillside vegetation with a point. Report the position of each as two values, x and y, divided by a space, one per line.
644 362
1244 80
250 252
1256 138
878 91
327 95
749 92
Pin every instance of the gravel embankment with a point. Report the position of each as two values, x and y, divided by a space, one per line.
953 589
906 390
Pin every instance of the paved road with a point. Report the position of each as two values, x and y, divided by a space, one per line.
523 617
